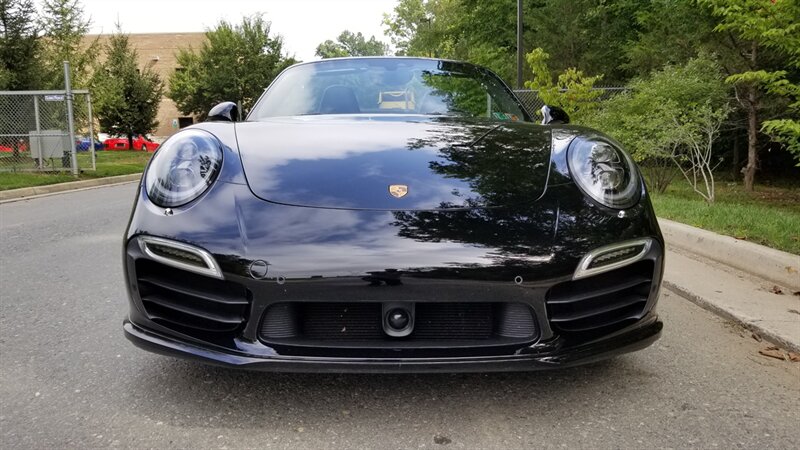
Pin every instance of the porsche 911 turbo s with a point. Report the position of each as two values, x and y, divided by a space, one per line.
391 214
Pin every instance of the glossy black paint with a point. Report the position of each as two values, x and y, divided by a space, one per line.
352 160
491 214
229 220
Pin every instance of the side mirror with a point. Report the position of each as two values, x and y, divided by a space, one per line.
552 115
224 112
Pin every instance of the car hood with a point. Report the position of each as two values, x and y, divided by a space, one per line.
352 162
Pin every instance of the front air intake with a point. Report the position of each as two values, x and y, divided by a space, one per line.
180 255
602 303
188 302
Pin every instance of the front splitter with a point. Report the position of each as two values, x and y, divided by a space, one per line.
632 340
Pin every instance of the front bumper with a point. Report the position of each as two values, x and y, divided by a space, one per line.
636 337
524 255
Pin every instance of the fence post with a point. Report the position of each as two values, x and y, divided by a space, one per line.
91 130
520 50
70 119
38 122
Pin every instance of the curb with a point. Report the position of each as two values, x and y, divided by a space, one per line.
751 325
776 266
731 278
13 195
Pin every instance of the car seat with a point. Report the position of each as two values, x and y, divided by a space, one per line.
339 99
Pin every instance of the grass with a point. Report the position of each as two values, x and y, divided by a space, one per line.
108 164
769 216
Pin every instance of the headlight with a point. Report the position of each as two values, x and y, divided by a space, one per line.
183 168
604 172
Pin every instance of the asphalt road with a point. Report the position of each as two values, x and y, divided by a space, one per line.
68 377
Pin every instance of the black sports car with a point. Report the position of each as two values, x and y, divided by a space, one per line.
391 214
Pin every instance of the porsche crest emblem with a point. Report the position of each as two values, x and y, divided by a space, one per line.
398 190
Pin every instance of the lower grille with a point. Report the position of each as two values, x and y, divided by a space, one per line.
185 301
601 303
443 321
354 321
361 323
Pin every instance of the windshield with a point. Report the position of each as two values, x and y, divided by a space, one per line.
389 86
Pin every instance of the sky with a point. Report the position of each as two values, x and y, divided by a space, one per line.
304 24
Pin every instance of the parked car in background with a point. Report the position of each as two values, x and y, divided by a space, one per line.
139 143
82 144
22 147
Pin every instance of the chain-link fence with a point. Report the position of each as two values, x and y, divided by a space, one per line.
532 103
35 132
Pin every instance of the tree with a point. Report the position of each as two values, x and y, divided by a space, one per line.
64 26
697 130
589 35
126 98
669 32
331 49
236 63
758 25
418 27
586 34
19 65
352 44
469 30
486 34
19 45
775 26
672 116
572 91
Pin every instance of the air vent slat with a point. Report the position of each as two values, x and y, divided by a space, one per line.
199 324
600 309
196 312
577 326
186 290
579 296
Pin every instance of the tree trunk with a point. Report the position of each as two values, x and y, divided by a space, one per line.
735 163
752 139
130 142
752 126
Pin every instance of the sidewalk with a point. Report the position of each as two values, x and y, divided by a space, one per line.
759 303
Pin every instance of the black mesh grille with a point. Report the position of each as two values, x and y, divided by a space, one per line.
340 320
185 301
454 321
316 321
514 320
281 322
601 303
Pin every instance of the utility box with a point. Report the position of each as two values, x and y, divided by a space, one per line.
47 144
